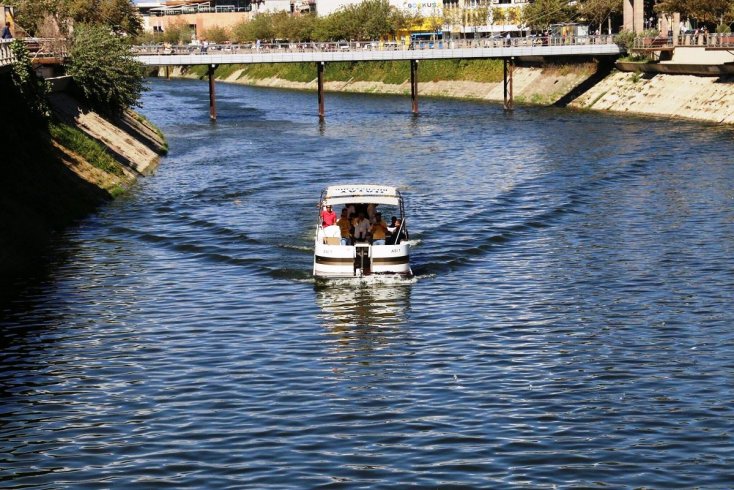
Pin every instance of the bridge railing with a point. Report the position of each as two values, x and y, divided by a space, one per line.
317 47
6 55
715 40
199 9
38 48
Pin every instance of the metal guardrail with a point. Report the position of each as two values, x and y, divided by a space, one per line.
723 41
325 47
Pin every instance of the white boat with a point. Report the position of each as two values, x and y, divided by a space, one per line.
360 258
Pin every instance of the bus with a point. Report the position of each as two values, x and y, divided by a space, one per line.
423 40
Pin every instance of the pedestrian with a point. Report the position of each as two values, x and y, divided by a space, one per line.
6 31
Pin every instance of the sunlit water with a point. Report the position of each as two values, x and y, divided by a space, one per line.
570 323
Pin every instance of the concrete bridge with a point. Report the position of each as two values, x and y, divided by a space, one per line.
320 53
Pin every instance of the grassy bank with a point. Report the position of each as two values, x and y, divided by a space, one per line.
393 72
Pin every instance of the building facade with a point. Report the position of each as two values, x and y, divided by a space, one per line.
442 18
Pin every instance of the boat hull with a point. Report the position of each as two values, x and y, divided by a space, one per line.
362 259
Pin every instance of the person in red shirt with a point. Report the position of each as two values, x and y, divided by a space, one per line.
328 217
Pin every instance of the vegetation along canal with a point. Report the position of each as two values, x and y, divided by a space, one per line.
569 325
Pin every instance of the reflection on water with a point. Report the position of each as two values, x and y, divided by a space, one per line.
368 334
374 302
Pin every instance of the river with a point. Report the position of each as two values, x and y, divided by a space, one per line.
570 323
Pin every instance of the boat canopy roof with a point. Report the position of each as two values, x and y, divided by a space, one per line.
362 194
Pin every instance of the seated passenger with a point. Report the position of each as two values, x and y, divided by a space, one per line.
391 227
345 226
371 212
351 211
398 235
361 228
379 230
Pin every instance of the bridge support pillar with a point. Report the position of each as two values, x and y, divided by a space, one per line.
212 95
509 65
414 85
320 84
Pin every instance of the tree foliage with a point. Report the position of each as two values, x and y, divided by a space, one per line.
540 14
178 32
216 34
32 89
706 11
598 11
369 20
119 15
101 64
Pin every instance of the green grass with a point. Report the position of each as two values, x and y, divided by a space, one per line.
146 122
392 72
78 142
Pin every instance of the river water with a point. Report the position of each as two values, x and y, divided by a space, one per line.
570 324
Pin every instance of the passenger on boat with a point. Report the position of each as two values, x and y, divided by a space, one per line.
392 227
345 226
397 235
328 217
371 212
379 230
351 211
361 228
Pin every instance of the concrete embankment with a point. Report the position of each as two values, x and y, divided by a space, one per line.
57 172
701 98
581 85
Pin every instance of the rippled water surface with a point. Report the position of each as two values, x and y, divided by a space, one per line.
570 323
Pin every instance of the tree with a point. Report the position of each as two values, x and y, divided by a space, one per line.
598 11
478 16
215 34
119 15
499 15
102 66
178 32
706 11
303 27
29 14
540 14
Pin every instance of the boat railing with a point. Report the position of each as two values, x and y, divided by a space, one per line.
400 231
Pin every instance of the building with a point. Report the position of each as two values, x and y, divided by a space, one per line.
446 18
158 15
482 18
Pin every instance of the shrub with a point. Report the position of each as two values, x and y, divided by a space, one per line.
102 66
625 39
33 89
